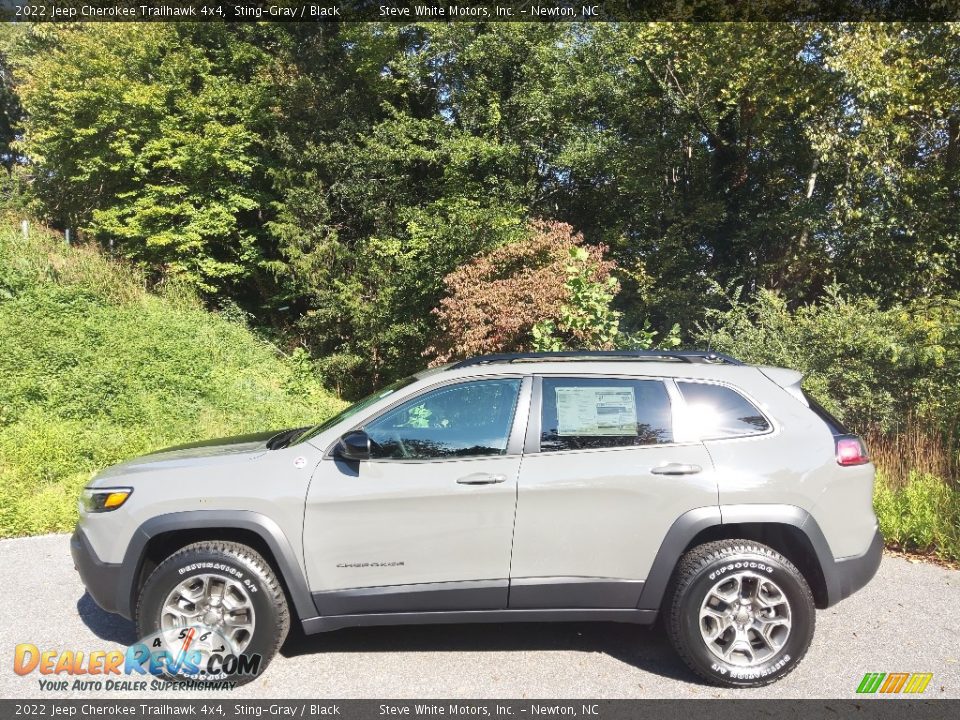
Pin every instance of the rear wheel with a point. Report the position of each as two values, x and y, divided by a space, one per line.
740 613
220 606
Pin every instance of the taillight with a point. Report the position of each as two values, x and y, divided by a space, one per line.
851 450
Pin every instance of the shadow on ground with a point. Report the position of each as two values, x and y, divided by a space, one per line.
104 625
645 648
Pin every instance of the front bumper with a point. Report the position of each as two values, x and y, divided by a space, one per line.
848 575
104 581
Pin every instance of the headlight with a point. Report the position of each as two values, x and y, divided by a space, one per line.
96 500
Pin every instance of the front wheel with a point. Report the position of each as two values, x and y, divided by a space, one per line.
212 611
740 614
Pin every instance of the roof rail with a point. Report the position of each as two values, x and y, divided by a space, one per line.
690 356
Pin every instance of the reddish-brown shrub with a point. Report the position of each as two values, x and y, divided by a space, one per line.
494 300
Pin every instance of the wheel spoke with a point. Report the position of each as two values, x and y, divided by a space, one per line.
218 605
180 617
728 590
745 618
237 619
768 595
713 623
740 644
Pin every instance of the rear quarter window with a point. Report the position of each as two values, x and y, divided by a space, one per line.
717 411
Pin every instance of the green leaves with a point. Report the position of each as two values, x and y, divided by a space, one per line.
148 141
328 178
878 369
586 319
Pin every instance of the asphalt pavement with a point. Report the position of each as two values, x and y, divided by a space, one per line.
906 620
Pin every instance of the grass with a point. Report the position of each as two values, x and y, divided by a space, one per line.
94 368
916 497
922 515
915 449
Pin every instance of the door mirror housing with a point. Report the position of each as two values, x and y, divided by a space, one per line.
354 446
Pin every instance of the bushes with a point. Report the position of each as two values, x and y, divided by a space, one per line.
95 369
518 295
874 368
546 292
922 515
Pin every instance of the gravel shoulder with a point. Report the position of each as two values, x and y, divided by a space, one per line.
905 620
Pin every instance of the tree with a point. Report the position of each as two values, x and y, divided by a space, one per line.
586 319
519 294
146 138
328 178
895 215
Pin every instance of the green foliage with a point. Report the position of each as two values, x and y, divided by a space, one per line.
372 303
327 179
895 216
586 318
147 139
923 515
10 113
94 369
875 368
323 182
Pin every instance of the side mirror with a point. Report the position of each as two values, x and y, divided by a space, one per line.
354 446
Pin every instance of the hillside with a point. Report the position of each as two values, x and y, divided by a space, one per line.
94 368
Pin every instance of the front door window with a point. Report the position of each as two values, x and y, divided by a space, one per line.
463 420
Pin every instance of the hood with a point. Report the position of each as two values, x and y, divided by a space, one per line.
231 449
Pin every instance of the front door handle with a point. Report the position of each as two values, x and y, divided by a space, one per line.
676 469
482 478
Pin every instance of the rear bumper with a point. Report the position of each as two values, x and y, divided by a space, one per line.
104 581
847 575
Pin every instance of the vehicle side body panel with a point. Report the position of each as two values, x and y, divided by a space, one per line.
569 534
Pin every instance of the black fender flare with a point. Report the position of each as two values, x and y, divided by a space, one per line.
693 522
287 566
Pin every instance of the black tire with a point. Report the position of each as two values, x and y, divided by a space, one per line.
240 563
698 572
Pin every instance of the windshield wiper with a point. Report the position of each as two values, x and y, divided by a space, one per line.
284 438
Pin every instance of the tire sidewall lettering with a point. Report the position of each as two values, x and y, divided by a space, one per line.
206 566
716 570
741 565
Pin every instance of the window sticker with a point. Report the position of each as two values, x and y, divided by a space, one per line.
596 411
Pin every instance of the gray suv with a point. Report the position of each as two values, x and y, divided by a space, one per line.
620 487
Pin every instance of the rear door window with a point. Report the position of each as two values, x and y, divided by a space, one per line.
717 411
591 413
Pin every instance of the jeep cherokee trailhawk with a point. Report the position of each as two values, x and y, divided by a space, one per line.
616 486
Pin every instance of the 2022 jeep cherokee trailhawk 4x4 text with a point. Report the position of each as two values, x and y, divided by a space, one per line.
613 486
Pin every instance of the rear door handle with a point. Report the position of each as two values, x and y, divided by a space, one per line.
482 478
676 469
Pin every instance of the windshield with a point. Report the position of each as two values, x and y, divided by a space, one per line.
352 410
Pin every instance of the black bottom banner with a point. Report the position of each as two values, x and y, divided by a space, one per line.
887 708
